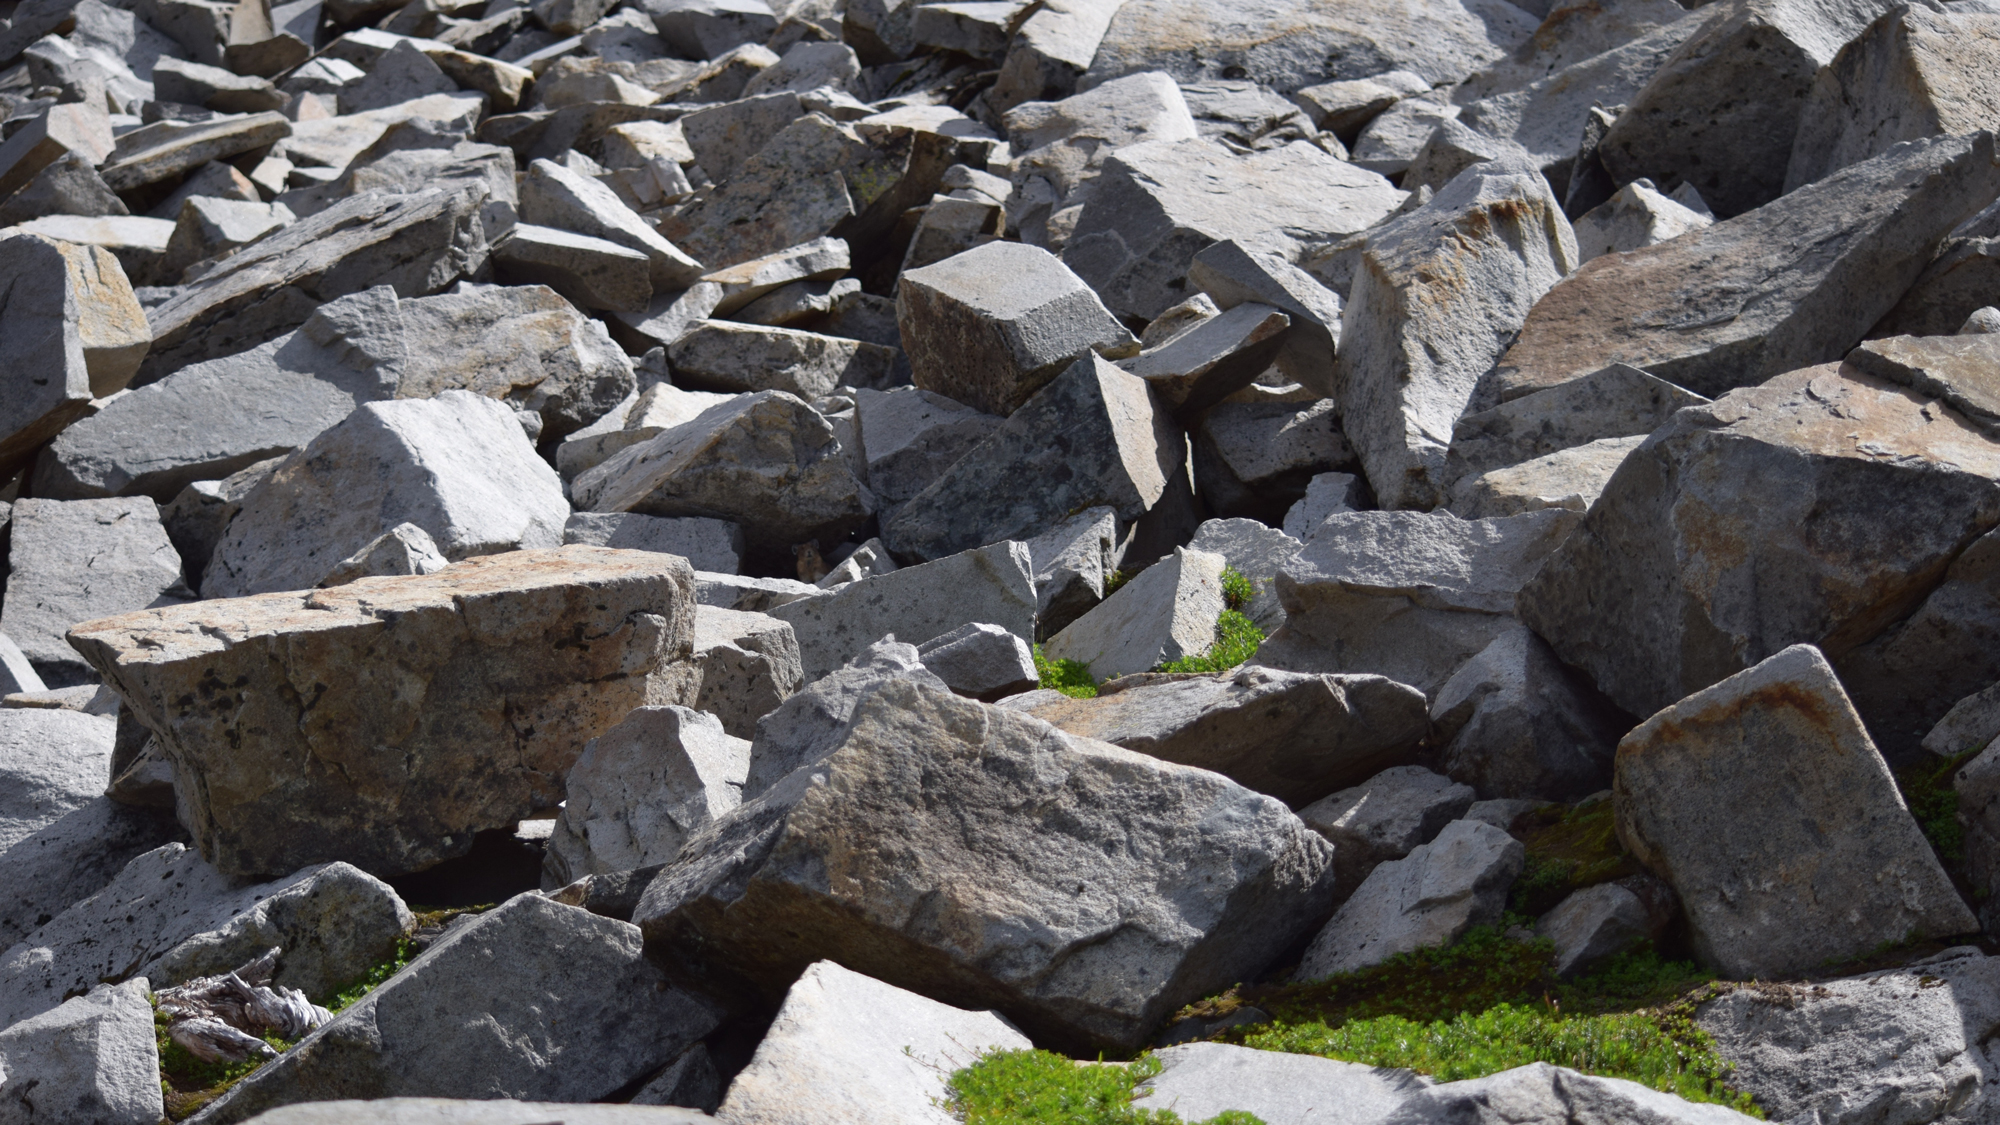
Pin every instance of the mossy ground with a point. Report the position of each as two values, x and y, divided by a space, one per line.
1040 1088
188 1083
1569 847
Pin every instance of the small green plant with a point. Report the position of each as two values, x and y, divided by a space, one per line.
347 995
1237 589
188 1083
1236 640
1933 802
1040 1088
1117 579
1656 1050
1071 677
1569 848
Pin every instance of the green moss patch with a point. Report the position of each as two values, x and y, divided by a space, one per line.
188 1083
1569 847
1071 677
1933 802
1040 1088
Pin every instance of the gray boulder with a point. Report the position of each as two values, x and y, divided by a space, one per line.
765 461
1051 51
92 1061
403 549
470 1018
1440 290
1688 122
992 584
73 332
1062 146
1327 494
1072 561
910 436
846 1046
132 566
1615 401
1384 818
171 917
1777 823
1971 724
1664 622
642 788
981 661
1232 274
420 243
1255 460
1200 1080
1169 611
1294 737
1592 924
457 465
554 196
721 355
642 416
990 327
1204 888
1428 898
1764 309
1407 595
61 840
1572 479
1096 436
483 1111
1158 204
810 724
574 637
1514 722
1257 552
594 273
1540 1094
705 29
747 664
16 674
1636 215
1904 1044
711 545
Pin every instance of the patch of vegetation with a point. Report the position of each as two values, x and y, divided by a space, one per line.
1117 579
1071 677
1569 848
347 995
188 1083
1237 589
1236 640
1040 1088
1933 802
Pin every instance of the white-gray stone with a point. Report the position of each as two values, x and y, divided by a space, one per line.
710 545
992 584
595 273
810 724
981 661
748 664
458 466
1327 494
1540 1094
16 673
1257 552
642 416
641 789
1428 898
1514 722
92 1061
909 436
403 549
169 916
1257 459
1636 215
1072 561
1165 613
1199 1080
1386 817
1592 924
848 1047
75 560
1571 479
554 196
1615 401
728 357
1971 723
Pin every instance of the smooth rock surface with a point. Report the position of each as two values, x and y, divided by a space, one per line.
92 1061
1428 898
74 560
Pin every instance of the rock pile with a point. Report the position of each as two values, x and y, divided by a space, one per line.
735 558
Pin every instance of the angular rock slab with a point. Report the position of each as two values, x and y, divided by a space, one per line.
1680 575
766 461
641 789
981 661
1734 304
990 327
992 584
170 917
848 1047
529 1000
811 724
385 721
1096 436
60 839
72 332
1426 899
419 243
1906 1043
1385 818
92 1061
1073 941
1540 1094
1200 1080
1437 293
1292 736
1168 612
74 560
1514 722
1407 595
482 1111
457 465
1616 401
1762 802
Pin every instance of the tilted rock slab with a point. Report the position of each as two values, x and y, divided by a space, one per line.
850 1048
1169 611
1733 304
1764 805
93 1061
170 917
73 560
529 1000
1513 721
1438 293
883 857
1540 1094
1429 898
1095 436
1684 573
458 466
384 721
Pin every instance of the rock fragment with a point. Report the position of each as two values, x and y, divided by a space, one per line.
1513 722
94 1059
1426 899
1385 817
1166 613
127 563
981 661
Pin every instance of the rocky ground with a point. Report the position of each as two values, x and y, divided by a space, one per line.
824 561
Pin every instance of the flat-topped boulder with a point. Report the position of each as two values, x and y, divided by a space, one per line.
384 721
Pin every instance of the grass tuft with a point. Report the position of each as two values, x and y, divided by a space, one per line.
1237 589
1040 1088
1071 677
1236 640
